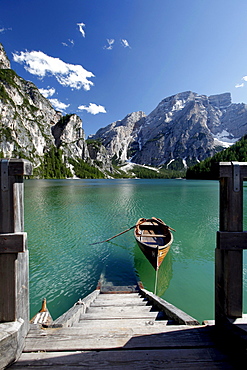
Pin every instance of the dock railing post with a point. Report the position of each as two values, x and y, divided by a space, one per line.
14 259
231 240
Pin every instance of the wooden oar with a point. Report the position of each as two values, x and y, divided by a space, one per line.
125 231
162 223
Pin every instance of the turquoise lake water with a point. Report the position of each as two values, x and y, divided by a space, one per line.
62 218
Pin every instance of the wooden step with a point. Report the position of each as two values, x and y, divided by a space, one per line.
120 316
116 302
101 310
118 295
123 323
172 358
66 339
122 297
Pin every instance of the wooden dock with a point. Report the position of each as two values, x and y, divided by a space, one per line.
124 330
129 327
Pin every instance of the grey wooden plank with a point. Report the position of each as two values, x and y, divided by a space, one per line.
118 295
131 302
142 328
20 167
10 346
72 316
117 360
66 339
120 299
101 310
225 169
171 311
134 324
128 315
116 289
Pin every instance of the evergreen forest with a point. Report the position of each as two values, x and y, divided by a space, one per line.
208 169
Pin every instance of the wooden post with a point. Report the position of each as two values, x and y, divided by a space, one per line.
14 293
231 240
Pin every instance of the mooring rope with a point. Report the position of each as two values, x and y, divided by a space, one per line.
156 281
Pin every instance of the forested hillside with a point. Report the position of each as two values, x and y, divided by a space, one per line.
207 169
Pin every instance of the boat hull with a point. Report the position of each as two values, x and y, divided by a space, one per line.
154 239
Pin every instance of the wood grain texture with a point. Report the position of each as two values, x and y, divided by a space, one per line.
199 358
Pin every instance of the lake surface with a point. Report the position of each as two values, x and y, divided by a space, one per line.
62 218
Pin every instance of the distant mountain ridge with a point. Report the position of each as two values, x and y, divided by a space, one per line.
185 127
182 130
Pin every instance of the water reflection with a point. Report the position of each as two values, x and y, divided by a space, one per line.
146 272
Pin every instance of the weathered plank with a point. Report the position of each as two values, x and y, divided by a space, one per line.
65 339
10 346
141 328
179 316
119 295
14 259
199 358
120 316
72 316
225 168
116 289
119 310
229 263
19 167
116 302
123 323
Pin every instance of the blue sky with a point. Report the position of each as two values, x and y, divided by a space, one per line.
103 59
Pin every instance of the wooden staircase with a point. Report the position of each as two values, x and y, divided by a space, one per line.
119 307
120 330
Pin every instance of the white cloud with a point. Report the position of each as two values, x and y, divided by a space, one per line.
47 92
244 78
5 29
58 104
81 25
40 64
93 108
69 43
125 43
239 85
109 45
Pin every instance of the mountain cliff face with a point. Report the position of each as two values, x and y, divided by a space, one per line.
183 129
118 136
186 128
29 125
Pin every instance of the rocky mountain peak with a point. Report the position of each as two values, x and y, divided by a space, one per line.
4 61
185 128
118 136
220 101
29 125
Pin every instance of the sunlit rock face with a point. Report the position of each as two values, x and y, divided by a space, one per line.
4 61
29 125
118 137
186 127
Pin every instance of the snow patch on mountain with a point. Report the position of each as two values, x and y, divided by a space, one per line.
224 139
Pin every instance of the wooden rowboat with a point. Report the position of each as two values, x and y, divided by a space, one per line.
154 239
